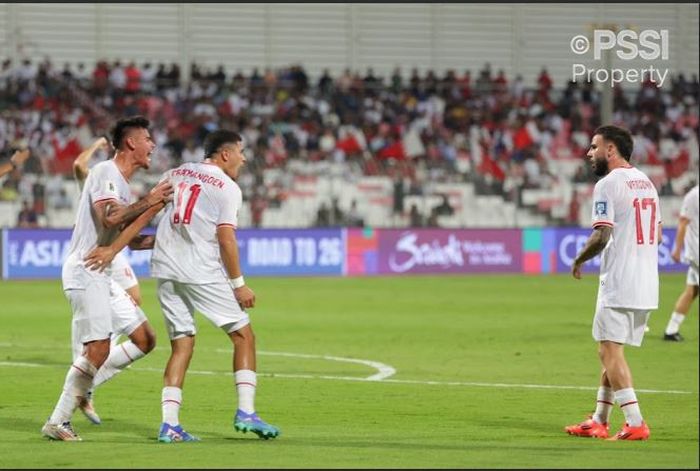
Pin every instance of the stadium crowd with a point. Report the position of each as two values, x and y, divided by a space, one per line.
497 132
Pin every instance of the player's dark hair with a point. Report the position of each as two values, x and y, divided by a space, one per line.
218 138
620 137
124 125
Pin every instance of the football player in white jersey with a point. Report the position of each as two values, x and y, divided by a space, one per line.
686 237
197 265
100 306
121 273
626 232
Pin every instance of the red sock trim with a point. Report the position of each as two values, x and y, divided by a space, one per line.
243 383
171 400
627 403
83 372
606 402
126 353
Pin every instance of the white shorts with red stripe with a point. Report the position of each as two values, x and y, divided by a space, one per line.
215 301
102 311
619 325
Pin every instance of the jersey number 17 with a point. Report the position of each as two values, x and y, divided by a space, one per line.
638 208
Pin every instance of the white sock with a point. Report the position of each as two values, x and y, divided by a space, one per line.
629 405
120 356
604 405
674 323
171 401
78 381
246 381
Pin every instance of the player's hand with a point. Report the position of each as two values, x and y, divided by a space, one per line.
99 258
103 143
676 254
244 296
576 270
163 191
19 157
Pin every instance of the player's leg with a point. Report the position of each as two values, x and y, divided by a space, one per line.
244 367
177 312
244 372
618 371
92 312
171 397
605 400
86 404
131 321
127 319
623 327
597 424
218 304
683 303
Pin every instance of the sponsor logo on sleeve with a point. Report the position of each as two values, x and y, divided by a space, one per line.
601 208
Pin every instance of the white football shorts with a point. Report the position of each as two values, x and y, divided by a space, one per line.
100 311
619 325
215 301
122 272
693 277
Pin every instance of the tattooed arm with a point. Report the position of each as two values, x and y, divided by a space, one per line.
112 215
594 245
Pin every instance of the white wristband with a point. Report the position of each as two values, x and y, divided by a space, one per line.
237 282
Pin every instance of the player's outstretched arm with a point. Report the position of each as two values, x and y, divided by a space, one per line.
80 164
594 245
228 246
100 257
17 160
113 215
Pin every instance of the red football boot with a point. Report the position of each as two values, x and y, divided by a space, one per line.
588 428
632 433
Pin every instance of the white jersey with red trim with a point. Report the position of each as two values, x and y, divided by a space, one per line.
104 182
187 249
627 201
689 210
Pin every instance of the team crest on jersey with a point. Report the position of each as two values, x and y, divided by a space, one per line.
110 187
601 208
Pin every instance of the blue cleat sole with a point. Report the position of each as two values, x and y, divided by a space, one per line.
264 433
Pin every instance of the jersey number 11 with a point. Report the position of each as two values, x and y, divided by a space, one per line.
185 218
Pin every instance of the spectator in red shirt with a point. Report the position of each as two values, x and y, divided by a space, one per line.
133 79
544 80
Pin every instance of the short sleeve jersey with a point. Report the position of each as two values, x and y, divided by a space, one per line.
104 182
689 210
187 248
627 201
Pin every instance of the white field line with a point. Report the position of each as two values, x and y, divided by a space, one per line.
383 371
356 378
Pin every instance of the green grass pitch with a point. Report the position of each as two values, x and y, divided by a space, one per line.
466 351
